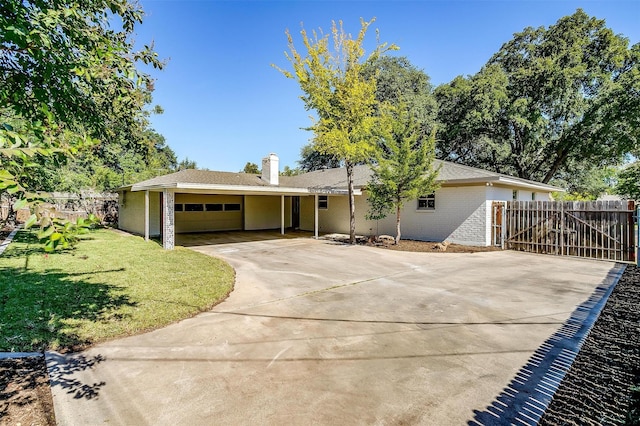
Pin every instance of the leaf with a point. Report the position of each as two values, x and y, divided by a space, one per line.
20 204
31 221
46 232
55 236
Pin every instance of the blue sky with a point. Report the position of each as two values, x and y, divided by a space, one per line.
225 105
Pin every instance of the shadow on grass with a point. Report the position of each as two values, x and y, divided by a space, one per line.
39 309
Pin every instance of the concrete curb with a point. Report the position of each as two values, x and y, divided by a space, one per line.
529 394
8 240
16 355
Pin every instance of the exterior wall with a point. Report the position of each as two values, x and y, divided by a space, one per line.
206 221
263 212
131 212
523 195
460 217
307 221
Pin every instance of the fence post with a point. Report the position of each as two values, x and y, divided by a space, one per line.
503 232
637 233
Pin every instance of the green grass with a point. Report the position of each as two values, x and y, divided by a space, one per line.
111 285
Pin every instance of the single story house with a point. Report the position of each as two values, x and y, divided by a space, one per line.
205 201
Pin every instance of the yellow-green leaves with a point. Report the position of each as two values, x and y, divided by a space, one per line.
334 86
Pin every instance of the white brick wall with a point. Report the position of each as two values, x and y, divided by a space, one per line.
460 217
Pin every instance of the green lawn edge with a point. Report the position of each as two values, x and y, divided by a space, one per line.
111 285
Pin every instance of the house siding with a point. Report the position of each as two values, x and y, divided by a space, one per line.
307 221
131 212
206 221
263 212
460 217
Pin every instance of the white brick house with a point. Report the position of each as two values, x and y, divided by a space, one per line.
206 201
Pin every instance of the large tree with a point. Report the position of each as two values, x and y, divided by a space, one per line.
68 79
397 81
551 99
403 167
401 84
334 86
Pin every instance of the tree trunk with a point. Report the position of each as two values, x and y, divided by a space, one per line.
397 225
352 204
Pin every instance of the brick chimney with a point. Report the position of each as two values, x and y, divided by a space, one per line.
270 169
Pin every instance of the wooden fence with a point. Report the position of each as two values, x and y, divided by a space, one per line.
592 229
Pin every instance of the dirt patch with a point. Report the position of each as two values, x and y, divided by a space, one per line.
433 247
25 395
411 245
603 384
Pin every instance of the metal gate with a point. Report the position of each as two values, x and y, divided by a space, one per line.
592 229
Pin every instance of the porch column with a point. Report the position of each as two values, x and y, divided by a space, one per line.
146 215
315 216
282 214
168 205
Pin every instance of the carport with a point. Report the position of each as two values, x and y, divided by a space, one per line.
206 201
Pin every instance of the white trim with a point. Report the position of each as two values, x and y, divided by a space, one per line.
282 214
146 215
244 189
315 216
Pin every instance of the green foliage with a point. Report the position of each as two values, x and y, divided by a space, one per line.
403 168
550 100
288 171
187 164
311 159
629 181
62 234
251 168
336 88
69 83
399 82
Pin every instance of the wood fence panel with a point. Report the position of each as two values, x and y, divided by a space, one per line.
591 229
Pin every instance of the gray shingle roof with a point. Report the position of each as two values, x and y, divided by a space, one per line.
327 179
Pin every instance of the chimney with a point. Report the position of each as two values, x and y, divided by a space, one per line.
270 170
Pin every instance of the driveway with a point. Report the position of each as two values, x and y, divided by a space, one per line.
321 333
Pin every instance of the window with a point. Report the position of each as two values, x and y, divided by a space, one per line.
193 207
514 195
533 196
323 202
232 207
178 208
427 202
213 207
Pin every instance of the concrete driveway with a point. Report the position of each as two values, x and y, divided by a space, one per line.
321 333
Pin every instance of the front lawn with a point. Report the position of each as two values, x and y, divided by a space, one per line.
111 285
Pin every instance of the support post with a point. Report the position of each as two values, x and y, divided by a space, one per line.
168 234
315 216
282 214
146 215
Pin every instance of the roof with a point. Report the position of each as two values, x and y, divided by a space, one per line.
321 181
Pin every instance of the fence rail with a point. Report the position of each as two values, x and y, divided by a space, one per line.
591 229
